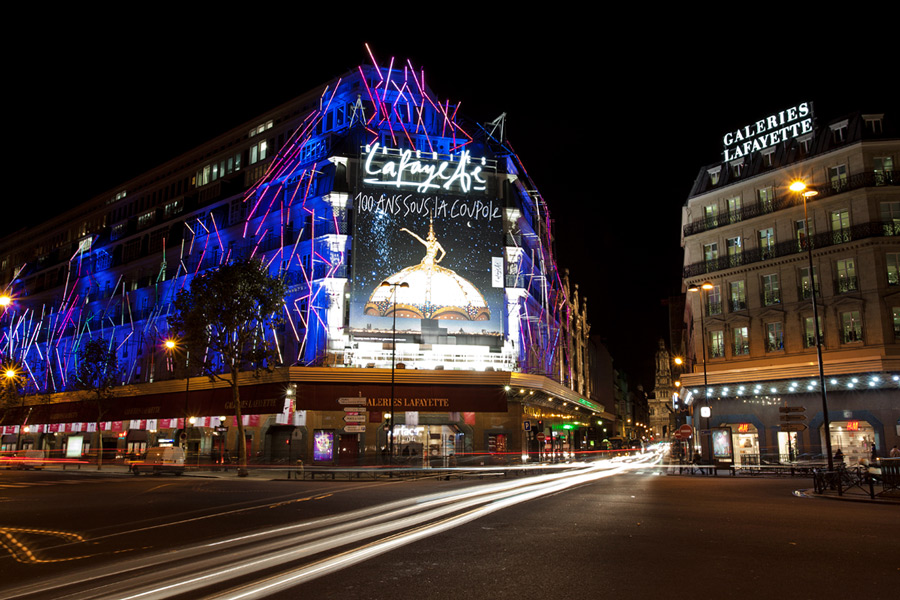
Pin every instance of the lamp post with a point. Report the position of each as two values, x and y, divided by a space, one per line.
804 191
171 345
11 374
393 287
705 286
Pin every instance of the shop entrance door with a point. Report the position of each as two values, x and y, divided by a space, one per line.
348 450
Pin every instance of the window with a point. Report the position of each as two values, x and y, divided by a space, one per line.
846 272
801 230
714 301
733 247
890 218
771 291
840 226
709 214
741 341
774 337
738 300
809 334
873 122
895 312
737 167
261 128
766 198
884 169
238 211
710 252
839 132
893 268
838 177
768 157
766 243
805 143
716 344
146 219
851 326
734 209
806 286
258 152
714 175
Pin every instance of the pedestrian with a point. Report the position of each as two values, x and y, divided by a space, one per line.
839 456
226 460
895 452
874 452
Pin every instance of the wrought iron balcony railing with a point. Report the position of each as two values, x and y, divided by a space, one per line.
821 240
845 284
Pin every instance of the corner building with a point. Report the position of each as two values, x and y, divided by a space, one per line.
743 231
368 179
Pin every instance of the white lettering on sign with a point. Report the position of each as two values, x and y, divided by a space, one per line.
780 127
408 171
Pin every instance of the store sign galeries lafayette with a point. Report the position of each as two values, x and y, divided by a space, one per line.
779 127
423 172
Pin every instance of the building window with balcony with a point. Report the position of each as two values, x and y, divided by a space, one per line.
716 344
766 243
738 299
741 341
733 247
766 198
840 226
890 218
710 252
851 326
846 276
774 337
838 177
714 301
893 268
771 289
806 284
734 209
884 169
895 314
809 334
710 213
801 230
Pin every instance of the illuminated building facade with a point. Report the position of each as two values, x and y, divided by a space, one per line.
370 179
744 232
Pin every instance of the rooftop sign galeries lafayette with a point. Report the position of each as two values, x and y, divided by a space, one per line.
423 172
779 127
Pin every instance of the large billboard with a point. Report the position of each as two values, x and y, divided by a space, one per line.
428 243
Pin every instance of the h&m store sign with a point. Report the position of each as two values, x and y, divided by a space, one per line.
779 127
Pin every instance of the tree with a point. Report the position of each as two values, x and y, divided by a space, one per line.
222 320
97 370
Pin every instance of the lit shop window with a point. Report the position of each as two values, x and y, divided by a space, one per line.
261 128
738 299
771 290
851 326
774 337
741 341
846 272
890 218
893 268
809 334
716 344
838 177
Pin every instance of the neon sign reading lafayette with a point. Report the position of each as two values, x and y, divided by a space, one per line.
410 171
780 127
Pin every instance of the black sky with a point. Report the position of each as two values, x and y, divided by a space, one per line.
613 122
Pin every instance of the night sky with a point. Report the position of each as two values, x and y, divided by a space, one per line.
612 121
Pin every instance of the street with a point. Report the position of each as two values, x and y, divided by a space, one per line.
624 532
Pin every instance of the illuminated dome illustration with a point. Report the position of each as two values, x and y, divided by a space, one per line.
433 293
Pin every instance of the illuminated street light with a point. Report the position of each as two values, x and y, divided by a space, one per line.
706 285
393 287
5 300
805 192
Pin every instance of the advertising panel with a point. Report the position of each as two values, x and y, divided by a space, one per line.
721 442
428 232
323 444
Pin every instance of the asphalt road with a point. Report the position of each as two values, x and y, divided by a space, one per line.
632 535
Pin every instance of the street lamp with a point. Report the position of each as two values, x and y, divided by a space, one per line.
705 286
393 287
171 345
804 191
11 374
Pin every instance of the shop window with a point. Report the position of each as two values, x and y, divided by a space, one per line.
893 268
853 438
846 275
851 326
741 341
771 289
716 344
774 337
738 299
838 177
890 218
